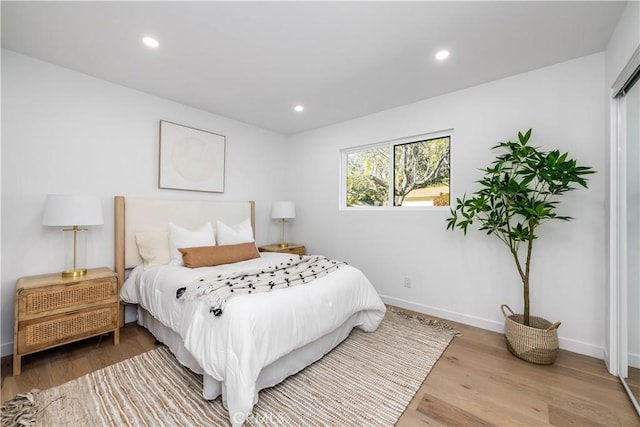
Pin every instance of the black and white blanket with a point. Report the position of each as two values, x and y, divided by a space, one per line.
215 290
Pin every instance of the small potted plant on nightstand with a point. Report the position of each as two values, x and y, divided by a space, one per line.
519 193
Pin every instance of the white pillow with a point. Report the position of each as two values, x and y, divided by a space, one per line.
153 247
239 233
182 238
129 289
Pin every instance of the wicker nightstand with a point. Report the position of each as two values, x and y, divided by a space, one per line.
291 249
52 310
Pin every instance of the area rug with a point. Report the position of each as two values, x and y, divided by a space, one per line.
368 380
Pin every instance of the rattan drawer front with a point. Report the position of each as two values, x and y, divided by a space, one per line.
47 332
61 297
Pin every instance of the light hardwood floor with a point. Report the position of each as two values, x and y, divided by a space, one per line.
477 382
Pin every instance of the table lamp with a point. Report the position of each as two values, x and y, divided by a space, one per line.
283 211
73 211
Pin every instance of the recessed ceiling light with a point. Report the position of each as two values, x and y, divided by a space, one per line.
299 108
442 55
150 41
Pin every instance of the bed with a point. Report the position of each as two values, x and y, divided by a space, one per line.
258 340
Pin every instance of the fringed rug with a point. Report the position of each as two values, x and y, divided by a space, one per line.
368 380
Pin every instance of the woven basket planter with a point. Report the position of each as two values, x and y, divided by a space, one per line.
537 343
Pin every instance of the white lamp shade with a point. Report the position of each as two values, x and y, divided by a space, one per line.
66 210
283 210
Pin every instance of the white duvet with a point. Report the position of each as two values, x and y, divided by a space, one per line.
257 329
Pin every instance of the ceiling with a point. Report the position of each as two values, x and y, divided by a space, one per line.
253 61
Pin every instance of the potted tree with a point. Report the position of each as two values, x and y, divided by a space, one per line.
519 193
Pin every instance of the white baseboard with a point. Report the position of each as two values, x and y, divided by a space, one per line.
491 325
634 360
581 347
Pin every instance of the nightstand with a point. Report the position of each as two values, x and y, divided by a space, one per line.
52 310
291 249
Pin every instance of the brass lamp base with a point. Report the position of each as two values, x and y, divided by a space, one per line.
78 272
283 244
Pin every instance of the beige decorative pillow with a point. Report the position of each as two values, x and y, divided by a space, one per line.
208 256
153 247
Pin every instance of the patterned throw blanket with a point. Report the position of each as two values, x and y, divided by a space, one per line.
217 289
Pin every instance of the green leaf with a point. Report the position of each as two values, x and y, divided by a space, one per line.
524 138
562 158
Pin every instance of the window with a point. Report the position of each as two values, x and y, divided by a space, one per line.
409 172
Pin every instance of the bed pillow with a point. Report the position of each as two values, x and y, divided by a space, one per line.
182 238
239 233
129 289
153 247
208 256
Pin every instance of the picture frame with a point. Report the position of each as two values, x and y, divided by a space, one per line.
190 159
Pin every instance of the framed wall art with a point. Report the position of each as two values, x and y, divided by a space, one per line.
190 159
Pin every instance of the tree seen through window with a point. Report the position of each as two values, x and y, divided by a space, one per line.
420 171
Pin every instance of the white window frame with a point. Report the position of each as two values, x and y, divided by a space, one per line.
344 154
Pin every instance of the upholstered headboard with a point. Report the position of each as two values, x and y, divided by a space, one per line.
134 214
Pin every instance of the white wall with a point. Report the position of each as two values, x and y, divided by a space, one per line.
66 132
467 278
624 41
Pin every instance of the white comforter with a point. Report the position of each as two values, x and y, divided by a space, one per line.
257 329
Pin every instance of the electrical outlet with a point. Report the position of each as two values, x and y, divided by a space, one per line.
407 282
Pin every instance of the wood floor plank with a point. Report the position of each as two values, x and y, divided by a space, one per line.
489 401
561 417
449 415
